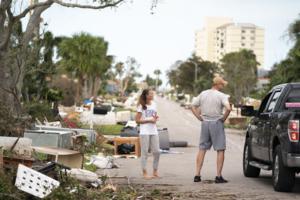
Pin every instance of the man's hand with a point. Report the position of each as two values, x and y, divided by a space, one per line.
197 113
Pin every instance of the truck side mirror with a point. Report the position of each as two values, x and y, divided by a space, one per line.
248 111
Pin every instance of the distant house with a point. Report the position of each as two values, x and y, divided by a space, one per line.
263 79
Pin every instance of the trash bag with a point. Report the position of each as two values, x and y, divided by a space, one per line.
130 132
126 148
83 175
102 162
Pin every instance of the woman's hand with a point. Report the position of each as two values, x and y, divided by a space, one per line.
151 120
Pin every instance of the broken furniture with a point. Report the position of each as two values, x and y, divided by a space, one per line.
50 138
123 116
90 134
12 162
34 183
21 146
53 170
18 151
66 157
128 140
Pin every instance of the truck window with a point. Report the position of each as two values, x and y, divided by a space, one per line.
294 96
273 101
264 103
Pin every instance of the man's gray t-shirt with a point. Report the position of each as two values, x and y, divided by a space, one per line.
211 103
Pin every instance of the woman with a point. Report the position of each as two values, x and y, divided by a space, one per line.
147 118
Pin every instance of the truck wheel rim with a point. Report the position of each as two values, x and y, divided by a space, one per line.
246 161
276 169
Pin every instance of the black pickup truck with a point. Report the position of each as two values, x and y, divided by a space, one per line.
272 137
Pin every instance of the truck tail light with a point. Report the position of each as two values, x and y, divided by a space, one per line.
293 130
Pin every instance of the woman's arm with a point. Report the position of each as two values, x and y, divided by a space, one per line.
138 119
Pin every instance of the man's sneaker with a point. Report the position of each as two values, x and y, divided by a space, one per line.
220 179
197 179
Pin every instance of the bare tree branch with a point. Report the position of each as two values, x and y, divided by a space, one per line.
32 7
76 5
33 22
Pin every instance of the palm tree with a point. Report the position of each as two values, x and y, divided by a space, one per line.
85 56
157 72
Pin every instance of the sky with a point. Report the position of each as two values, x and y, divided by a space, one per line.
159 39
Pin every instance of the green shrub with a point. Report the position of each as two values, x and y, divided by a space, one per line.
40 110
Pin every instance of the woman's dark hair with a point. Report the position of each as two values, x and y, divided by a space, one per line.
143 98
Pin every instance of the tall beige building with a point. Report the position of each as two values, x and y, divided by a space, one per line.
221 36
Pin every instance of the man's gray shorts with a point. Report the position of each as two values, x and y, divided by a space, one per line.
212 134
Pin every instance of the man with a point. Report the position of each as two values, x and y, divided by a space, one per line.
208 108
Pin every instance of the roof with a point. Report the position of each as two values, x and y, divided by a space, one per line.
242 25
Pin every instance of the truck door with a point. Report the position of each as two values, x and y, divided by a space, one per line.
257 129
267 119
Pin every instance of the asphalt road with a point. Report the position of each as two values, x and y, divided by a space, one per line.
178 169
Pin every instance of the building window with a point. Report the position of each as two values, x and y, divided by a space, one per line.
243 38
252 38
243 31
252 31
222 45
243 44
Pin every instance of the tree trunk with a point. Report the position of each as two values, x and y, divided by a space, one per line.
13 64
126 81
10 93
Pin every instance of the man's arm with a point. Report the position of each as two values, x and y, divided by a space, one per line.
197 112
227 111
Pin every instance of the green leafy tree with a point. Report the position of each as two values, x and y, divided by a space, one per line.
85 56
288 70
182 75
151 82
126 74
41 68
240 69
14 51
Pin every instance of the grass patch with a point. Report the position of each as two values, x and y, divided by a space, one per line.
91 167
104 148
119 109
109 129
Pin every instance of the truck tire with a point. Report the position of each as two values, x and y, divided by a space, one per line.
283 177
249 171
